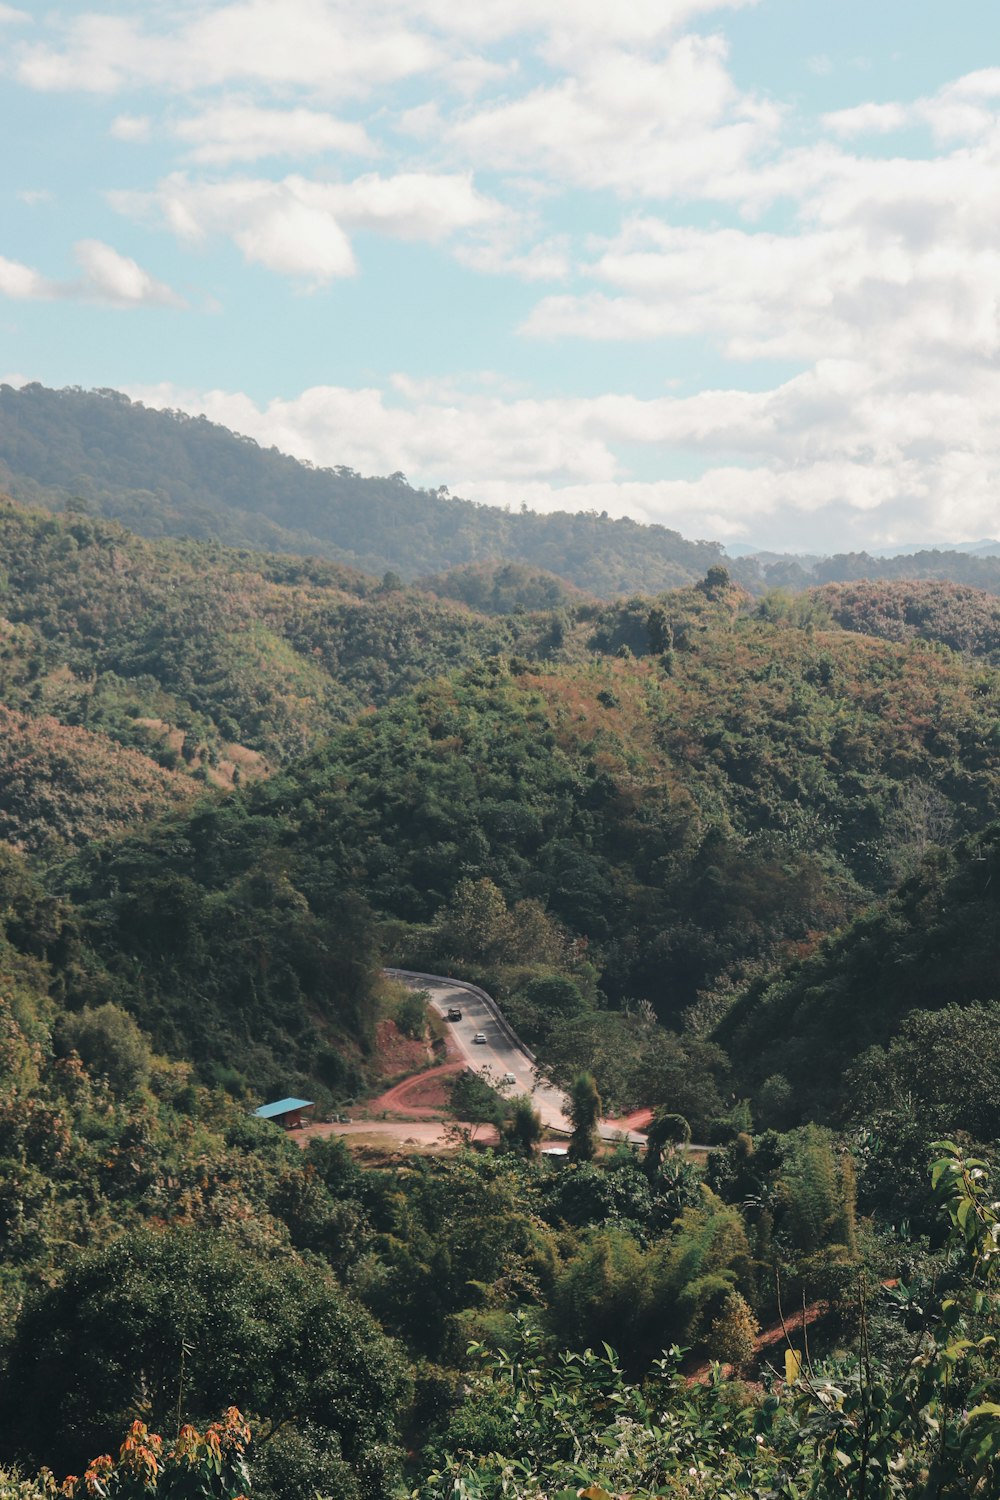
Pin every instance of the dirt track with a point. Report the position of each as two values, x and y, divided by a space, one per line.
401 1132
410 1096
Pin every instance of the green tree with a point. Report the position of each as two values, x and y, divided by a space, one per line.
476 924
659 631
733 1335
585 1114
816 1189
523 1131
942 1070
471 1099
183 1321
109 1043
664 1130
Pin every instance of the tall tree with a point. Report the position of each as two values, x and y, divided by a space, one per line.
585 1112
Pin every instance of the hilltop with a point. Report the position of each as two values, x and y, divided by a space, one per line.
165 473
211 660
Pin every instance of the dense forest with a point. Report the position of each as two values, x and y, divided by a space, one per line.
164 473
729 857
966 619
213 661
168 474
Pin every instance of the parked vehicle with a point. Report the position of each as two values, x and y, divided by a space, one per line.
508 1078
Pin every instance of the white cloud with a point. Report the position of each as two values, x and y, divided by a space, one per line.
840 456
33 196
656 126
245 132
503 255
106 277
336 46
131 128
965 109
299 227
867 119
116 279
875 274
412 205
333 48
470 75
21 282
569 35
11 17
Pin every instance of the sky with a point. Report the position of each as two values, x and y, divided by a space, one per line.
728 265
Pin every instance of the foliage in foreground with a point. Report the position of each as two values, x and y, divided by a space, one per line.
925 1424
539 1425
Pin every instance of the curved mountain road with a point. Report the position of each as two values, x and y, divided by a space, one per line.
502 1053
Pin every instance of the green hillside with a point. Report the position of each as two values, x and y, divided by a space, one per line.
210 659
737 864
164 473
934 944
966 619
62 786
686 820
502 588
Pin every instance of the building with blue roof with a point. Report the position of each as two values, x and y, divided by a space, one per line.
285 1112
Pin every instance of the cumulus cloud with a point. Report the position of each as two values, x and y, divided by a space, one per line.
503 255
131 128
830 458
299 227
333 48
236 131
867 119
21 282
659 126
963 110
106 277
896 257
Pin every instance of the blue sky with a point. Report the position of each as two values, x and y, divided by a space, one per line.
726 265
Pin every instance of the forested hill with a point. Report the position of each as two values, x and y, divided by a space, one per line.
164 473
933 947
208 659
966 619
686 820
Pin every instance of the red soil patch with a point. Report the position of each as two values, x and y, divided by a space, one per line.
424 1095
770 1339
397 1053
639 1119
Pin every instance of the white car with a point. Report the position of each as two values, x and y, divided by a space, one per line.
480 1038
508 1078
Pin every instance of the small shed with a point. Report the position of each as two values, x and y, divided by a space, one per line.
285 1112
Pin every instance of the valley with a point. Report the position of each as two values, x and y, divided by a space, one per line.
710 870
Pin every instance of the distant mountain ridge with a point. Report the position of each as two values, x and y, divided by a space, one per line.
166 473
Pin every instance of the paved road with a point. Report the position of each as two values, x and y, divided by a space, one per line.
501 1053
